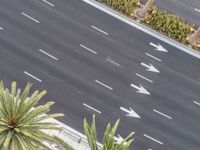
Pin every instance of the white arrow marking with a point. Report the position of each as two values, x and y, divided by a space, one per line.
130 113
119 139
150 67
140 89
158 47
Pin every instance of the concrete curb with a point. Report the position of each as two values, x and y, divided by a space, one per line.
143 28
72 137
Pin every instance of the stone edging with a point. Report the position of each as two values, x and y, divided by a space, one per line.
143 28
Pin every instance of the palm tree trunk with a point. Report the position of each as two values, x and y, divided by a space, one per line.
141 12
193 39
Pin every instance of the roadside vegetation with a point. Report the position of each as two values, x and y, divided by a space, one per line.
21 125
108 142
125 6
24 124
169 24
166 23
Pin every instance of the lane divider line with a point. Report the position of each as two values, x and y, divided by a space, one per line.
99 30
49 3
1 28
198 10
196 103
110 88
144 77
88 49
32 76
143 28
157 141
162 114
42 51
26 15
94 109
153 57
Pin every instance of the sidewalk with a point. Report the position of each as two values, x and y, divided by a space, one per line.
75 139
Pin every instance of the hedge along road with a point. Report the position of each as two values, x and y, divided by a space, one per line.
187 9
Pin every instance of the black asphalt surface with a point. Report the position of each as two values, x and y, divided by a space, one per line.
70 81
187 9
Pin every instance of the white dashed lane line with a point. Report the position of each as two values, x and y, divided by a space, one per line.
90 107
26 15
42 51
99 30
153 57
198 103
158 112
48 3
153 139
103 84
198 10
1 28
32 76
94 52
144 77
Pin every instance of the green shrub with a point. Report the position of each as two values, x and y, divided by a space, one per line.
125 6
169 24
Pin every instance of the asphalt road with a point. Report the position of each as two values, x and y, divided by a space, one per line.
84 56
187 9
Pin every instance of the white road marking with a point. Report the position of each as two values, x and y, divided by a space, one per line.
100 30
130 112
147 136
198 10
150 67
48 54
162 114
153 57
113 62
196 103
32 76
144 77
88 49
91 108
1 28
141 27
49 3
29 17
158 47
140 89
110 88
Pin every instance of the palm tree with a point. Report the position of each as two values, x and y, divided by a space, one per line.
108 142
22 122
